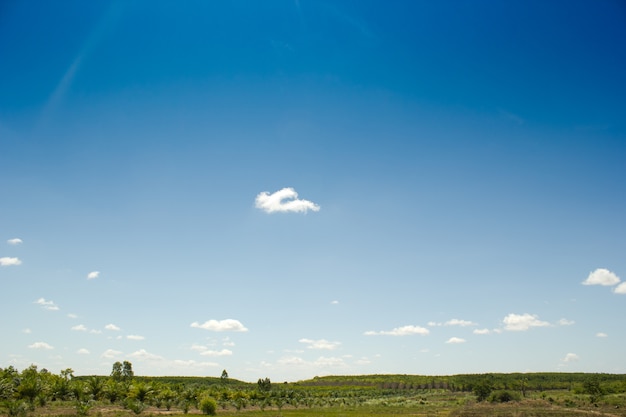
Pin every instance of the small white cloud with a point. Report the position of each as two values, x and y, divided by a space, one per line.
46 304
570 357
455 340
6 261
291 360
198 348
94 331
522 322
79 328
40 345
320 344
400 331
113 327
142 354
223 352
82 351
27 331
275 203
331 362
457 322
620 289
111 353
93 275
481 331
602 276
15 241
135 337
334 302
228 325
600 334
72 316
566 322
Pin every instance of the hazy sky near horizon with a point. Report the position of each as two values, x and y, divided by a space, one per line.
287 189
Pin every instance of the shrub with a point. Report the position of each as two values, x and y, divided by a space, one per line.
208 406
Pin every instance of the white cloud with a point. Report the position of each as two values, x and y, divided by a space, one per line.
620 289
331 362
320 344
72 316
455 340
600 334
111 353
198 348
40 345
228 325
93 275
94 331
400 331
79 328
142 354
193 364
113 327
457 322
274 203
223 352
291 360
15 241
481 331
46 304
334 302
601 276
82 351
522 322
6 261
570 357
135 337
27 331
566 322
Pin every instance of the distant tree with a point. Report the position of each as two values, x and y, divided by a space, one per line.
127 370
224 375
591 386
482 390
116 372
264 384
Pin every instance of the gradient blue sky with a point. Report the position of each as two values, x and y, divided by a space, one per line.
453 173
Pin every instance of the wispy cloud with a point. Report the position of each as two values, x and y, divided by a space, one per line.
111 353
223 352
228 325
7 261
47 304
320 344
15 241
112 327
566 322
284 201
601 334
142 354
455 340
82 351
453 322
93 275
481 331
522 322
79 328
40 345
135 337
400 331
571 357
601 276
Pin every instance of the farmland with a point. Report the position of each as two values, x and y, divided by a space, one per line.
34 392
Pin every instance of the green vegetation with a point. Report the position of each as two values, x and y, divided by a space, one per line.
40 393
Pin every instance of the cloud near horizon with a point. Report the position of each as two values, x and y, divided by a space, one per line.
40 345
284 201
400 331
522 322
6 261
320 344
227 325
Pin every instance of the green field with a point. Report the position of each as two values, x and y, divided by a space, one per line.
40 393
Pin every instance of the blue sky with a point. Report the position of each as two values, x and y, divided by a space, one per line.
288 189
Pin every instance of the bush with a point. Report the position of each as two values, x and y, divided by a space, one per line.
208 406
504 396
